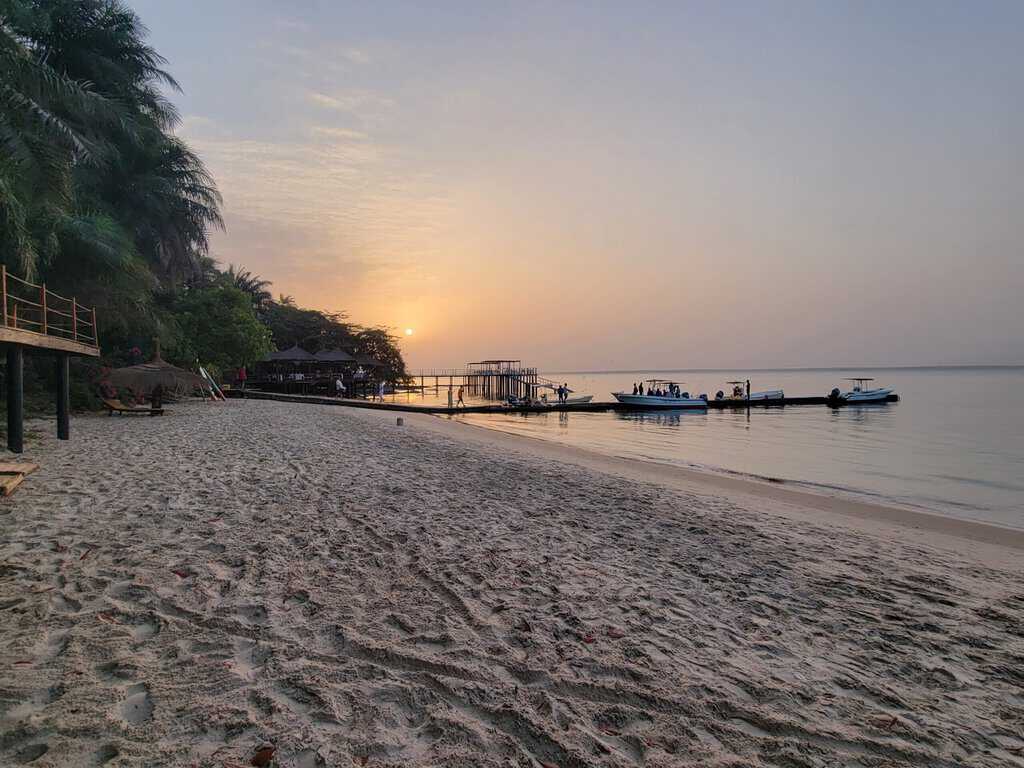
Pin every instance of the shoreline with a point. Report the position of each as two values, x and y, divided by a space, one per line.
924 527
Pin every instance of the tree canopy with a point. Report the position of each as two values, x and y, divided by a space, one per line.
101 200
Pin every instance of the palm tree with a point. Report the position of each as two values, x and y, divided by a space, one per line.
154 182
254 285
48 125
163 191
146 189
104 42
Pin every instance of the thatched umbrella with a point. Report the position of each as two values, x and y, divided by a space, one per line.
142 379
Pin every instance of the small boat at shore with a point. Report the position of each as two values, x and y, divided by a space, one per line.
861 394
670 396
577 400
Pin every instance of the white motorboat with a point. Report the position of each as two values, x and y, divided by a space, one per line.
768 394
667 397
861 394
739 392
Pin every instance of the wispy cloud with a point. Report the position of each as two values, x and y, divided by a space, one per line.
354 101
323 131
335 203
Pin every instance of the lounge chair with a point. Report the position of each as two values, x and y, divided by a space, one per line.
114 405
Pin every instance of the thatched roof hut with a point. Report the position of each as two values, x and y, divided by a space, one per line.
295 354
334 356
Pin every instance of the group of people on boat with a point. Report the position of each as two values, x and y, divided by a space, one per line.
671 389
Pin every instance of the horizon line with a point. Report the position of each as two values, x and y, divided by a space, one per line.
962 366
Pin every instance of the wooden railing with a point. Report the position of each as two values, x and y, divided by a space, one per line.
34 308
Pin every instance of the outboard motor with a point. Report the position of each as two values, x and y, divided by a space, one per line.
834 394
719 395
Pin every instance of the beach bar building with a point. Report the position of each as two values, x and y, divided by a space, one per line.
36 319
296 371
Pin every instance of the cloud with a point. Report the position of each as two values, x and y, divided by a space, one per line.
194 126
323 131
355 101
294 25
330 202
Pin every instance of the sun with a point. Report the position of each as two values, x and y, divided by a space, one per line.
408 331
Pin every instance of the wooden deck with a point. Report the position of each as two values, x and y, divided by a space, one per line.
28 338
36 318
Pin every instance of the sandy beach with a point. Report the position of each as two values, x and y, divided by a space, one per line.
323 585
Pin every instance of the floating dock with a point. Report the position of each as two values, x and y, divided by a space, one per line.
592 407
501 379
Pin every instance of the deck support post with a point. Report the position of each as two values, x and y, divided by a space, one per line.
63 398
15 399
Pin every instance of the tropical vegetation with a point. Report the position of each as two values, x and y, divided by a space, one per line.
100 199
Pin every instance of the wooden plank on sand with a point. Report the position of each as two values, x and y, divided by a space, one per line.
17 467
9 482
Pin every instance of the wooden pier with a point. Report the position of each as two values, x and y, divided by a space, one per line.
37 318
592 407
487 379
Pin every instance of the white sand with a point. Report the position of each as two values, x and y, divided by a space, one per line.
183 591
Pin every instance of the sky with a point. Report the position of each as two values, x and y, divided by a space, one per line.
592 186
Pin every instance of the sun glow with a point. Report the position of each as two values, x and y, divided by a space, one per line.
408 331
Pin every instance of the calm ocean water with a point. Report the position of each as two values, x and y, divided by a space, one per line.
953 445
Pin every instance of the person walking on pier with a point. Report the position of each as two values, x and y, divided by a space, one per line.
460 400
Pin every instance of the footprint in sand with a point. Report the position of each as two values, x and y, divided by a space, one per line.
250 658
65 603
115 671
252 614
52 645
138 706
30 753
145 630
105 754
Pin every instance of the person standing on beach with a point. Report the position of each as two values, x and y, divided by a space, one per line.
460 400
339 387
242 376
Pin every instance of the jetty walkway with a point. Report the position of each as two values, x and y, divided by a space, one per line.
592 407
